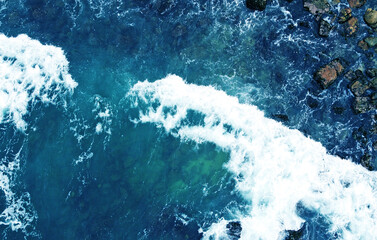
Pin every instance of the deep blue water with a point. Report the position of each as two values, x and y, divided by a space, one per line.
84 175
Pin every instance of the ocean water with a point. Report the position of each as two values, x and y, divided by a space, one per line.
169 119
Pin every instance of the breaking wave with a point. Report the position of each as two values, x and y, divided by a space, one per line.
30 72
283 174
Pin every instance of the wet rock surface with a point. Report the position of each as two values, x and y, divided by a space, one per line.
234 230
324 28
371 41
351 26
359 87
327 74
345 15
366 162
259 5
370 18
317 7
356 3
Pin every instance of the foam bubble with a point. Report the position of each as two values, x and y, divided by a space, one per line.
276 168
30 72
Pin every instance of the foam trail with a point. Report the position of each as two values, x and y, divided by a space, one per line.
30 71
276 168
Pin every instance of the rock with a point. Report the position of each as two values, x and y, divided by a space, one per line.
373 83
350 75
234 229
295 235
359 73
371 72
324 28
351 26
375 145
281 117
259 5
366 162
371 41
317 7
370 18
360 135
361 105
312 103
304 24
327 74
356 3
345 15
338 109
358 88
363 45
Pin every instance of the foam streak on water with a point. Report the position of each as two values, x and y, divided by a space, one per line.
276 168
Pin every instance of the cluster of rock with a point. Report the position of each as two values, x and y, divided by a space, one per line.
363 85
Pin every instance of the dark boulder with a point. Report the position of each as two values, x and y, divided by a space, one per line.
351 75
362 105
234 229
327 74
371 72
366 162
304 24
373 83
345 15
359 73
280 117
371 41
338 109
312 102
324 28
359 87
259 5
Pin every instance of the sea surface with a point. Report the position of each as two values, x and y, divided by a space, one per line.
172 119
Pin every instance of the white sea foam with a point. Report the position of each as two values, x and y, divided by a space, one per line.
19 213
276 168
30 71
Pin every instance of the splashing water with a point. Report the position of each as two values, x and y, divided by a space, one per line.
277 169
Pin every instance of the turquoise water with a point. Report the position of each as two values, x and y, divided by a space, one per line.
89 166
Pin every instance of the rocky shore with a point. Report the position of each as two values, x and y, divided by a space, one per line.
354 20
